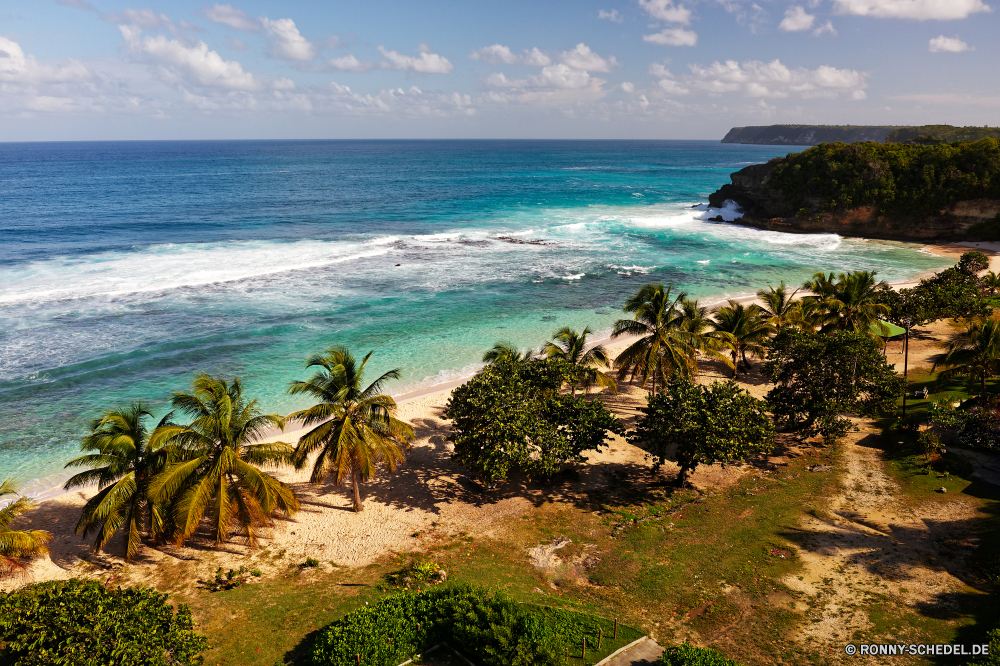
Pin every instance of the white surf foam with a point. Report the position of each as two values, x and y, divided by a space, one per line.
165 267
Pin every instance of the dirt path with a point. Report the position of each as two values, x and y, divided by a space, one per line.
870 550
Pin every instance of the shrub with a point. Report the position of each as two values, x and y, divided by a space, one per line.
689 655
973 262
489 626
511 416
414 573
981 430
82 623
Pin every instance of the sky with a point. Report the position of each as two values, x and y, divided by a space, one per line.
604 69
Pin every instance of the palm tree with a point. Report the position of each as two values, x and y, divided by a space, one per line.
219 473
747 330
506 350
856 303
778 304
991 283
570 346
122 465
356 428
17 547
807 314
822 285
975 353
664 347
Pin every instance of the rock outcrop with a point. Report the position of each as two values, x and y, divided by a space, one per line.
765 207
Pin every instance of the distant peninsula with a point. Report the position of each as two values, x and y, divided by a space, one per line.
813 135
901 191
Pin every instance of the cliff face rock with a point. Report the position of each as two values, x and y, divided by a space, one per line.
806 135
764 207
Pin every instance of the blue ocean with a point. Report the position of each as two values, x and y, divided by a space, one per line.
128 267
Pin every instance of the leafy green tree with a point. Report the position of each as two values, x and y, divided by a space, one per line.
746 332
82 623
820 377
511 416
856 305
664 346
973 263
951 294
974 353
18 547
778 304
218 475
356 429
122 465
695 424
506 350
569 346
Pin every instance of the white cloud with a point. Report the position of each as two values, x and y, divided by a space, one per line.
235 18
535 58
144 18
425 63
236 44
500 54
920 10
583 58
495 55
195 65
796 20
287 42
944 44
561 77
825 29
666 10
19 68
349 63
672 37
759 79
613 16
628 87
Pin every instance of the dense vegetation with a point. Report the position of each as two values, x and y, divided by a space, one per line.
900 180
702 425
82 623
818 378
686 654
488 625
941 133
513 417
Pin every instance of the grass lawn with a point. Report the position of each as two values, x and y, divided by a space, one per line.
669 562
672 563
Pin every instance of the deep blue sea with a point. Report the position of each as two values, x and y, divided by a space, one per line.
127 267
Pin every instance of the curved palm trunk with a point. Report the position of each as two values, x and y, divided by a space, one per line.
356 487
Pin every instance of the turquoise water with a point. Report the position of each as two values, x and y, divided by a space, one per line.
125 267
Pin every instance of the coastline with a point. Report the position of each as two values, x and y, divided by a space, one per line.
948 250
428 492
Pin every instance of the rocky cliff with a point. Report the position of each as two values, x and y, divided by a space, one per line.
765 207
806 135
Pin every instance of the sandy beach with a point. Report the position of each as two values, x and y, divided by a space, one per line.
428 494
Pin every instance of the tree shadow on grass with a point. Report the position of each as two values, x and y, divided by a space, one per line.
967 549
